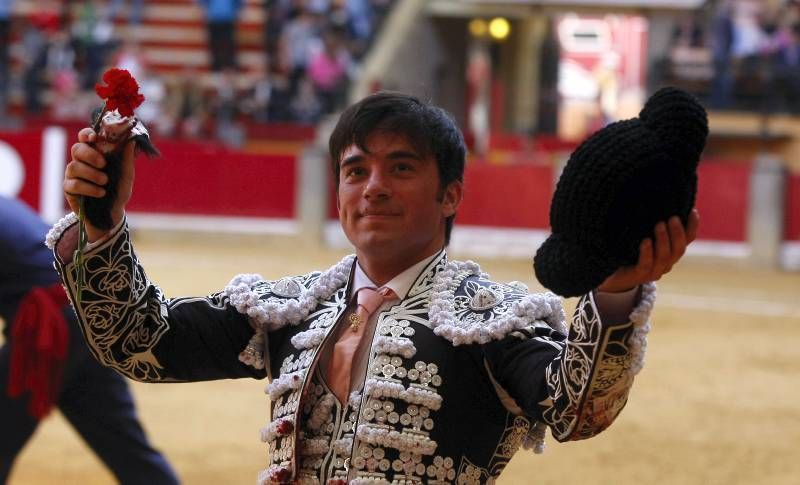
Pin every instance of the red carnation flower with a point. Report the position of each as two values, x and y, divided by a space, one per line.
285 427
121 91
280 475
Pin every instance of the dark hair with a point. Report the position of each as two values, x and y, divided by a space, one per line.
429 129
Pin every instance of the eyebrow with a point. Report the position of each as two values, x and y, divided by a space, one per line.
400 154
395 155
350 160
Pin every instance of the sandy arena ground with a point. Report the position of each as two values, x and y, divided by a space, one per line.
717 402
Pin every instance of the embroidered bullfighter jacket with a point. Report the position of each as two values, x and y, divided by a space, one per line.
462 372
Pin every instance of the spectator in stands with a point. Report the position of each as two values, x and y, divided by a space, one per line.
226 109
360 19
260 97
5 38
297 39
722 39
61 73
154 91
787 70
791 12
129 56
187 106
35 45
277 15
306 107
221 16
135 11
94 36
328 70
360 25
279 108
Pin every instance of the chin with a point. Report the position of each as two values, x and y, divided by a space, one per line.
378 239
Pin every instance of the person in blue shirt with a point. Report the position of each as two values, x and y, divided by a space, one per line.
221 22
44 363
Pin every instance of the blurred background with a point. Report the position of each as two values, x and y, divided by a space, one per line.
242 96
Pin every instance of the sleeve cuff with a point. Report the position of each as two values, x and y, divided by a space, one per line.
63 237
615 308
110 234
58 229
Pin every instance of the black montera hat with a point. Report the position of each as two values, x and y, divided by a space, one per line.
616 186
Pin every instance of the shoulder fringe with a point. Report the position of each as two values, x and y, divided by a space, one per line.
523 312
55 232
640 316
275 315
265 316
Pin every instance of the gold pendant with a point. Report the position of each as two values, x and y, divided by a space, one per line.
355 321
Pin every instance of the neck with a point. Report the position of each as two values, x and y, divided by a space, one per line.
381 270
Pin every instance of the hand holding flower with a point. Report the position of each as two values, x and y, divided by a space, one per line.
85 177
99 179
114 126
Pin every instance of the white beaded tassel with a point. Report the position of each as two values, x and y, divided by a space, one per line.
534 440
640 316
55 232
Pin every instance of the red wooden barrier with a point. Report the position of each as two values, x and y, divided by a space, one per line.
723 196
792 213
204 179
515 196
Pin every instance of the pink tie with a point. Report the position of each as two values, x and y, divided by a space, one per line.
340 369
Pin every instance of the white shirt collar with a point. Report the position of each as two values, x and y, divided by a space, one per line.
400 284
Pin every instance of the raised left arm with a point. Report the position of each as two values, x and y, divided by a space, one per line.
578 385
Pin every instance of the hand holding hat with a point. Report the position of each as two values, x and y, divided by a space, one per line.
612 208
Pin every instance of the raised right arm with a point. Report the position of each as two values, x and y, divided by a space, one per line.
132 327
127 321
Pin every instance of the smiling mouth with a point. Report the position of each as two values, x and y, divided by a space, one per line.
379 214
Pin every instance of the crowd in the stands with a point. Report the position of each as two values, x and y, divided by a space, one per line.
50 60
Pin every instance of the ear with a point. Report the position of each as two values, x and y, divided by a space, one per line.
452 196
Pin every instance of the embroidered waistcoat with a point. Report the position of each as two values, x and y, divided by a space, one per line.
436 403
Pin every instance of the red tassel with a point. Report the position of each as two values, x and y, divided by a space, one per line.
40 338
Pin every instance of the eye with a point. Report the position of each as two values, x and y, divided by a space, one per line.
403 167
351 172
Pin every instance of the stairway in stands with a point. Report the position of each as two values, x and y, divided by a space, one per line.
173 35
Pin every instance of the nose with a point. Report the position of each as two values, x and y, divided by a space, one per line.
377 186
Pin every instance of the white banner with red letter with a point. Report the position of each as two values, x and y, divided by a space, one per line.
32 168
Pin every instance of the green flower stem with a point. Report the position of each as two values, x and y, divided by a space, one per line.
82 239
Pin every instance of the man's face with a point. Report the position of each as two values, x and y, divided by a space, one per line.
390 202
